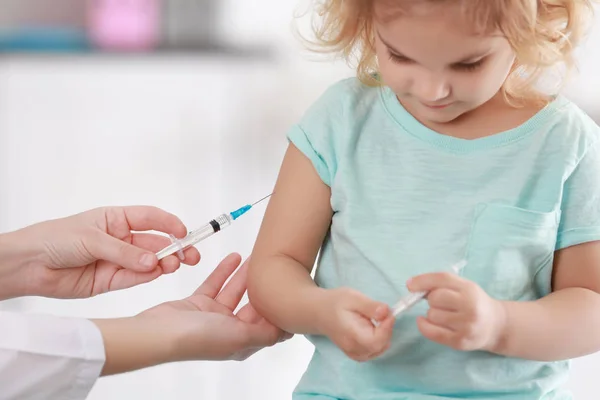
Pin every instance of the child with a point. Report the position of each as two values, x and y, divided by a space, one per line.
442 150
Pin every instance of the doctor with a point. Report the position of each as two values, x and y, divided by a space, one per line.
48 357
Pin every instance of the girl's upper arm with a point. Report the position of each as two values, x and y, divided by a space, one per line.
577 261
578 266
298 215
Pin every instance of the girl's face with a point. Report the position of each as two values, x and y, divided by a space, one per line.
436 67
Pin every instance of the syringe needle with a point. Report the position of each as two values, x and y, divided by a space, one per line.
214 226
263 199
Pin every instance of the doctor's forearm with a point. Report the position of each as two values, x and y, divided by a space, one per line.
561 326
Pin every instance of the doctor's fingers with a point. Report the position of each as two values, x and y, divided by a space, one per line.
213 285
155 243
232 293
144 218
138 255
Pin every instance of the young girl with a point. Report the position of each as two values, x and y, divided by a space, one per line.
441 150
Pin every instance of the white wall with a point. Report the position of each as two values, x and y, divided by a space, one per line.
197 136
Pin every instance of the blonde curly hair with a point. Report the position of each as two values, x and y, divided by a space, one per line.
542 33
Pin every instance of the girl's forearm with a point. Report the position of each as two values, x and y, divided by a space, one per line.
282 290
563 325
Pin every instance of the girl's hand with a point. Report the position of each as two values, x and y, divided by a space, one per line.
347 319
461 315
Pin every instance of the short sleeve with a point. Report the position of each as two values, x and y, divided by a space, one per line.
315 134
299 138
580 217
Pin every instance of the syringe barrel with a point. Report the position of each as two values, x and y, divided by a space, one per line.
224 220
207 230
196 236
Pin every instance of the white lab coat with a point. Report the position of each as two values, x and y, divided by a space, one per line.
47 357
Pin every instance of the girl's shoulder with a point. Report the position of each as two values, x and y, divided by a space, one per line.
571 126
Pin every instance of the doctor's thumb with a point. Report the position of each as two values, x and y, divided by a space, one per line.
124 254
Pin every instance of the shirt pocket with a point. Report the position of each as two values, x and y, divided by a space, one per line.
511 250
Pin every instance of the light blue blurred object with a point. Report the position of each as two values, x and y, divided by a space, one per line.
47 39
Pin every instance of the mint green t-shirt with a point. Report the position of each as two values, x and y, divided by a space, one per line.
408 200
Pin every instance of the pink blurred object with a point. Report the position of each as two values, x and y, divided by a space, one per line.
124 24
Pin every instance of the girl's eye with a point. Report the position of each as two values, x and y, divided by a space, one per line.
465 67
470 67
398 58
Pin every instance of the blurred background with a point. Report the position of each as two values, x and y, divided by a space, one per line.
182 104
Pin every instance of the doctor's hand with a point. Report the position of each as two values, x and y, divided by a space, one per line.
461 314
204 326
89 253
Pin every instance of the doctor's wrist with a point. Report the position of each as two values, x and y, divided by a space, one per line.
133 343
15 256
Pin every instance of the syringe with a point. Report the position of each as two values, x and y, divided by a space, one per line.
408 301
214 226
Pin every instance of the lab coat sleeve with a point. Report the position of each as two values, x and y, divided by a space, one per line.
48 357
